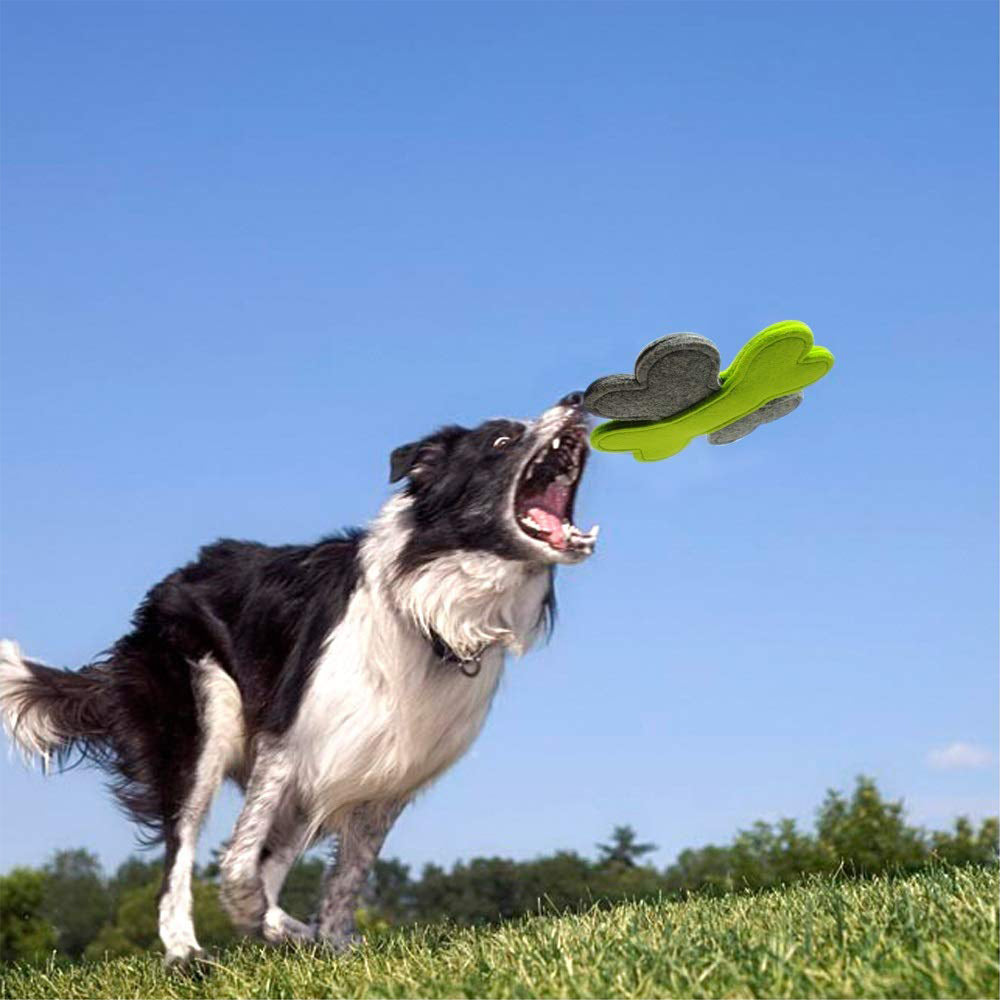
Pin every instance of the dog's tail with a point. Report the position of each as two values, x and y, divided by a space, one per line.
50 713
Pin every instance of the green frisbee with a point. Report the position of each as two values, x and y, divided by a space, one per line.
677 379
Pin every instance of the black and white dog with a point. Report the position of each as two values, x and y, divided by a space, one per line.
332 681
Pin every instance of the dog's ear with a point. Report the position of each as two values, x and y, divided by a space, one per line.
402 460
411 459
421 459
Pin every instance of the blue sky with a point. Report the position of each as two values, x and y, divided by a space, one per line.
249 248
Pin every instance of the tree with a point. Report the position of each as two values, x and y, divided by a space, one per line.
76 899
132 873
25 934
562 881
623 849
867 834
707 869
964 846
391 891
303 885
767 855
482 891
988 841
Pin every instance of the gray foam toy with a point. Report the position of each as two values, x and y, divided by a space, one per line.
779 407
673 374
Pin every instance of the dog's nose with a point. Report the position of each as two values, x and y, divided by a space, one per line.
572 399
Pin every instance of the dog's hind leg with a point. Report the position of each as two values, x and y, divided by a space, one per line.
242 890
220 716
359 840
288 838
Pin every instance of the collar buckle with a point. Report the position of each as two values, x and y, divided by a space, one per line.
470 667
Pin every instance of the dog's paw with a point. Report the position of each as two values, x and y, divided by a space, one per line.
182 957
279 927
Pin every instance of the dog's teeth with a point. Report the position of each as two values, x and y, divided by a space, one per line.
555 444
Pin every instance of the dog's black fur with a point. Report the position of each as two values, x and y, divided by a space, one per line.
261 611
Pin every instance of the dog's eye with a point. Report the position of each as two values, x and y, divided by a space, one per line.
502 442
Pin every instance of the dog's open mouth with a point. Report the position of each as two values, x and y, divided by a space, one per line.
543 500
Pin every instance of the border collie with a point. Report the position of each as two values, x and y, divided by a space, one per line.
331 681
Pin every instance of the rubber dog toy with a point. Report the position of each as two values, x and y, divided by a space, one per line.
678 392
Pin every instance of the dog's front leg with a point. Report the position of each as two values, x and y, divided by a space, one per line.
242 888
289 836
359 840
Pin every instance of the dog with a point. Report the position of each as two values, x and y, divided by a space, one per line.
331 681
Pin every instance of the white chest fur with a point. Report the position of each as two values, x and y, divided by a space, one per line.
382 715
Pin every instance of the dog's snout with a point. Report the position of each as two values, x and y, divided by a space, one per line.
572 399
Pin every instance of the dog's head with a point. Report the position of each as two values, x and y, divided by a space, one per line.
505 487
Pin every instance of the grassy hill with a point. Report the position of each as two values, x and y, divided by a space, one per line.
928 935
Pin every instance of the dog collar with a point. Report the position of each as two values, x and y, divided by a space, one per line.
470 667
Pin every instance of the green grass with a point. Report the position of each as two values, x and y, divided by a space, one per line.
928 935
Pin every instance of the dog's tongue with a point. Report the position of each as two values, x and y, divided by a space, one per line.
551 525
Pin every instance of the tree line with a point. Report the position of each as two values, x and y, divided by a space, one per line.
71 907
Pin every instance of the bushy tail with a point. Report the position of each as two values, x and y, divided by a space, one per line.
49 713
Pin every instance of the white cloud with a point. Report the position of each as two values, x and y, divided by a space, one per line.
957 756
